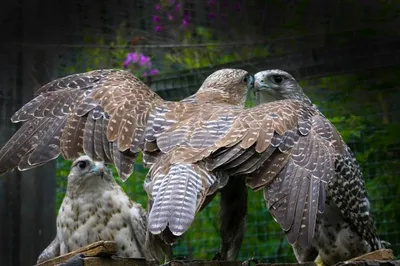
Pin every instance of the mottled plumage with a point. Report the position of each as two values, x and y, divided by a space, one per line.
96 208
196 147
111 116
337 224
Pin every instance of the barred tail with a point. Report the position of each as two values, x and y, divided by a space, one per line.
177 196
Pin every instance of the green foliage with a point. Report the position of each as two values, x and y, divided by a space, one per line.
210 55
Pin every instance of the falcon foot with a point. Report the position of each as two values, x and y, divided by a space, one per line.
76 260
319 261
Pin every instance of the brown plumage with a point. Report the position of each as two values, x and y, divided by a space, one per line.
203 144
276 146
111 116
318 195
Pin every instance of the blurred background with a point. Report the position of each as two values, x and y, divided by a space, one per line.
346 55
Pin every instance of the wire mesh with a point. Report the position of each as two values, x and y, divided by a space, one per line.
174 45
361 104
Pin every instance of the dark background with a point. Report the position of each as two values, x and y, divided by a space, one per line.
345 53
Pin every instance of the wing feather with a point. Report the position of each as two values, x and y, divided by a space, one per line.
123 161
49 146
98 141
178 191
22 142
117 100
88 137
285 147
72 137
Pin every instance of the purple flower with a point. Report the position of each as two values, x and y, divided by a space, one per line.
156 18
185 22
170 17
237 6
154 72
158 28
130 58
144 61
158 7
178 6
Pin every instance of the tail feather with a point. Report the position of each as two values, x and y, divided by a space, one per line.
177 196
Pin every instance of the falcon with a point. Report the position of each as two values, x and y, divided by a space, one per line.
96 208
344 227
111 116
204 144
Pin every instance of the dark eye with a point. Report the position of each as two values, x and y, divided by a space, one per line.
277 79
82 164
246 79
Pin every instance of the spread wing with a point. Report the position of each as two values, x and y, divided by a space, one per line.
284 147
287 149
103 113
198 126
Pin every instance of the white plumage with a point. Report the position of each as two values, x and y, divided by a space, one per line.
96 208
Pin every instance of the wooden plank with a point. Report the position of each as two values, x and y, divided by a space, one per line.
115 261
369 263
100 248
311 263
382 254
203 263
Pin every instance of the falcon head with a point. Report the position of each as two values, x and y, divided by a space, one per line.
275 84
86 173
228 85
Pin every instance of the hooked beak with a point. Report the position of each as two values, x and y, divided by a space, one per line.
258 86
98 169
261 92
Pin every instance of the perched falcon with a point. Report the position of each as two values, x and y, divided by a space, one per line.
345 227
96 208
111 116
196 147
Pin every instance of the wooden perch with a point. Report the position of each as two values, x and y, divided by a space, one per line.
381 254
311 263
100 248
202 263
374 258
115 261
102 253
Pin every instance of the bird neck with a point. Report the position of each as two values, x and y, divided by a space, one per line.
76 188
298 94
219 97
266 97
302 97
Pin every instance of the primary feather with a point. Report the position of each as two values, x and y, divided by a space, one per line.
111 116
